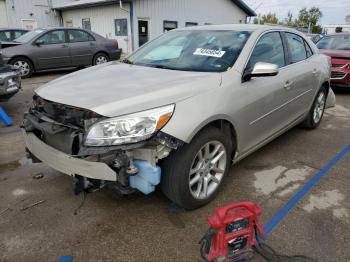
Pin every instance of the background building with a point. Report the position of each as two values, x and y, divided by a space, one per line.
330 29
29 14
131 22
134 22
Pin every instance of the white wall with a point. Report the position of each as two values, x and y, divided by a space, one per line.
3 15
36 10
102 21
182 11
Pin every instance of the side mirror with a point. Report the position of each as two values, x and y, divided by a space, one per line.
260 69
39 42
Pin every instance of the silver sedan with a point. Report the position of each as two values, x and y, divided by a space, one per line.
180 110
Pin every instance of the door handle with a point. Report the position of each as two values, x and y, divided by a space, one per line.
92 44
64 46
288 84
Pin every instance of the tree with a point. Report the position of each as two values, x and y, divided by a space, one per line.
269 18
289 19
309 18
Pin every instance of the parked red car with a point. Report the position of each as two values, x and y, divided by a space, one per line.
337 46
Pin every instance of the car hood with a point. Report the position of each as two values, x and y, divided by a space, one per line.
336 53
116 88
8 44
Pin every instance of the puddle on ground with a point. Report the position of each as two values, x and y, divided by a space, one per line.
280 180
331 199
19 192
11 166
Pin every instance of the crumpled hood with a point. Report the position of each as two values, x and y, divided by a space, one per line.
115 88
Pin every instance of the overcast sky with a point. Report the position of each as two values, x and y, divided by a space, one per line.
334 11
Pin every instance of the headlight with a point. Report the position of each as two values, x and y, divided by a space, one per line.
130 128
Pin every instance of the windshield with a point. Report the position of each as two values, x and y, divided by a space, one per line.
195 50
28 36
339 42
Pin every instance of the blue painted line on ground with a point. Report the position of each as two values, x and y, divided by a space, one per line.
4 117
65 259
303 191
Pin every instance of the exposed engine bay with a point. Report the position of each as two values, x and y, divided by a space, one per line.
64 128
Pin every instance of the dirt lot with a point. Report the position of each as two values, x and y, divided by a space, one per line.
148 228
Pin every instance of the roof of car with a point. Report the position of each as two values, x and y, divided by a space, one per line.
238 27
9 28
342 33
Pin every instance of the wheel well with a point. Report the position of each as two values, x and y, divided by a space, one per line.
326 85
228 129
22 56
101 52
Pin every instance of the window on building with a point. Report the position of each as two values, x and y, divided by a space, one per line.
79 36
54 37
191 24
86 24
121 27
69 23
296 47
169 25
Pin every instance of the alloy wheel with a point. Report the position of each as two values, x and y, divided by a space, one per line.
319 107
23 67
207 170
101 60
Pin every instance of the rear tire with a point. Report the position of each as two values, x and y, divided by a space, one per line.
193 174
24 65
100 58
315 115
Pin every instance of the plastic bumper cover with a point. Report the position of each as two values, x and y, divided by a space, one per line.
65 163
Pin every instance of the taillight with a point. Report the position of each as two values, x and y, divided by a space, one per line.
116 44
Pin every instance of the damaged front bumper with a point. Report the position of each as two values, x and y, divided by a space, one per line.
65 163
54 134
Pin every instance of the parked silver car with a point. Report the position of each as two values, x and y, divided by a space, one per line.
180 110
43 49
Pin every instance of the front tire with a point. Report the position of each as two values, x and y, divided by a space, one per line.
24 65
100 58
315 115
193 174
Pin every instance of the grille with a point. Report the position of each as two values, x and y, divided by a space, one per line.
337 74
63 113
338 65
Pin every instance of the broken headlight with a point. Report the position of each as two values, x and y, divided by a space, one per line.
129 128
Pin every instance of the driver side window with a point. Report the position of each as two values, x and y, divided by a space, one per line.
54 37
269 49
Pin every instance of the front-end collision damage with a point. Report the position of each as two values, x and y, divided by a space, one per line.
55 133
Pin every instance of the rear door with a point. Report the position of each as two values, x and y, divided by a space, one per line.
266 98
303 74
53 52
82 47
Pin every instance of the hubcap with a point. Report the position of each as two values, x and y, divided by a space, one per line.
23 67
319 107
101 60
207 170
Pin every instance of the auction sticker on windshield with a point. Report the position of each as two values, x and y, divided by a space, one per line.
209 52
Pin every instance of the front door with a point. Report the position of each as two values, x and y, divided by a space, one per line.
82 47
143 29
266 111
52 52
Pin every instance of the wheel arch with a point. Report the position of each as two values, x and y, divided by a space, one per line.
226 126
23 56
99 52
